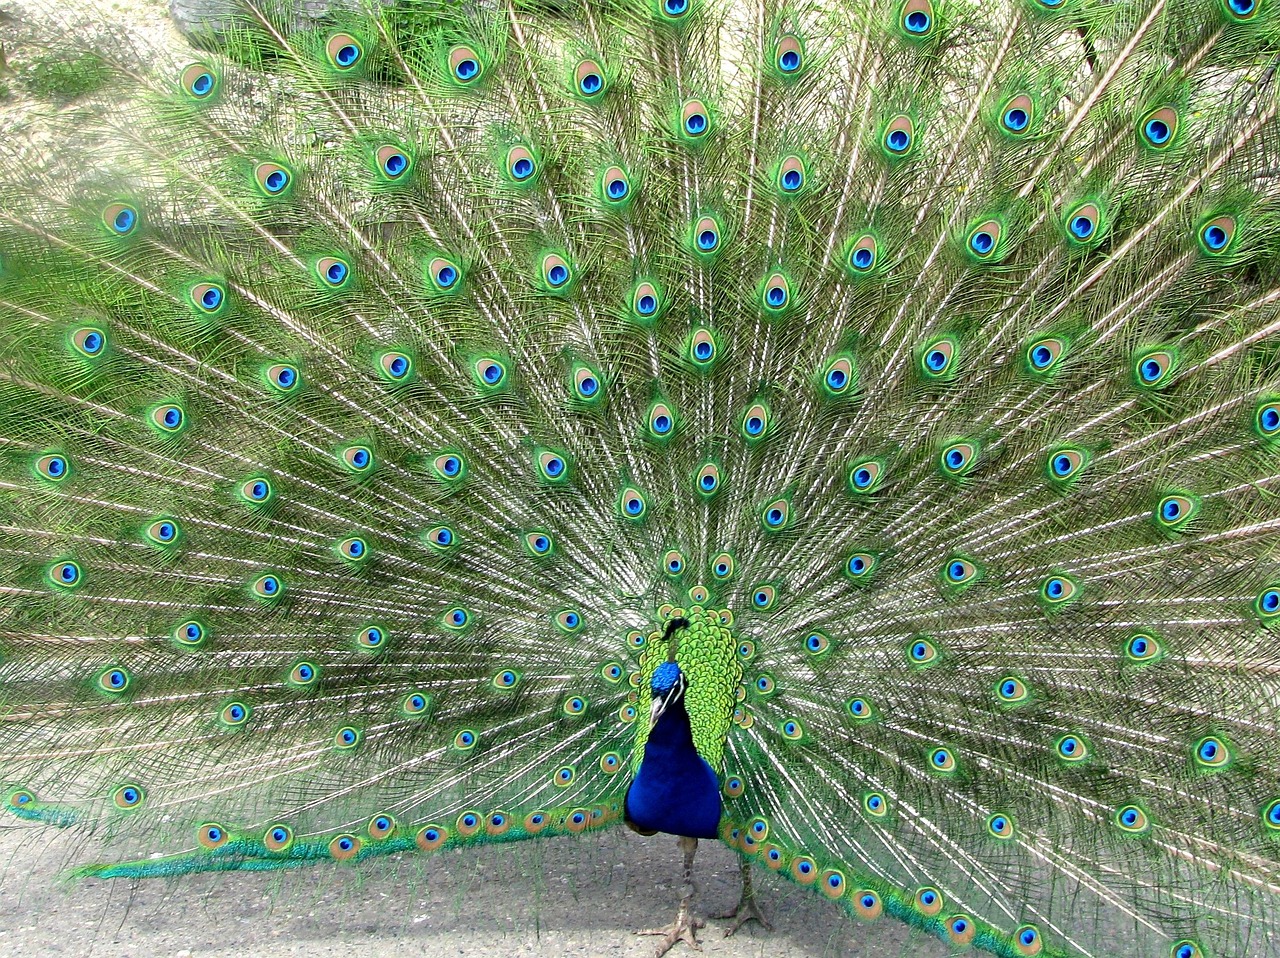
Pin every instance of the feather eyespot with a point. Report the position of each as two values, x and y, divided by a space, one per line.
1132 820
917 19
539 543
958 459
589 79
875 804
1271 816
723 566
929 901
695 119
983 242
456 618
763 597
755 422
552 466
416 703
442 538
574 705
789 55
89 341
1011 690
860 566
121 218
1144 647
632 504
371 637
865 476
1185 949
791 175
1267 604
1173 512
211 835
863 253
267 587
1071 748
256 491
840 377
661 424
190 634
804 870
1212 752
381 826
353 549
344 848
1044 354
278 838
899 137
938 359
1216 235
922 651
1000 826
465 65
832 883
961 929
128 796
344 51
776 293
1027 940
776 516
347 738
816 643
1066 464
304 675
706 236
860 708
1266 418
66 575
208 298
960 571
522 167
1058 590
272 178
282 377
564 776
198 81
168 418
610 763
1016 115
942 760
234 714
867 904
449 467
1240 9
1159 128
393 162
465 740
445 275
53 467
358 459
114 680
431 837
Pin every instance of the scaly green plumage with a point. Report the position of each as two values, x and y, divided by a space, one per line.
373 393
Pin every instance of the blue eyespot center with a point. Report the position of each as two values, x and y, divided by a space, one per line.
557 275
917 21
789 61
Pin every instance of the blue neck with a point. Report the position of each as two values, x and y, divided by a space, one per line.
675 790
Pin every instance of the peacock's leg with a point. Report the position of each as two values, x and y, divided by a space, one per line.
746 909
685 927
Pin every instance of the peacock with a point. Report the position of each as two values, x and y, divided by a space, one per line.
846 431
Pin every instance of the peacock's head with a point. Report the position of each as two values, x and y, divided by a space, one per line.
667 685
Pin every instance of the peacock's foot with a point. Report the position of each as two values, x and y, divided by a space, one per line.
684 928
746 910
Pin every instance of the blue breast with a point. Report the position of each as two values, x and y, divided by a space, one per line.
675 790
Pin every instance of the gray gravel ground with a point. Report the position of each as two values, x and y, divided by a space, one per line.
562 896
